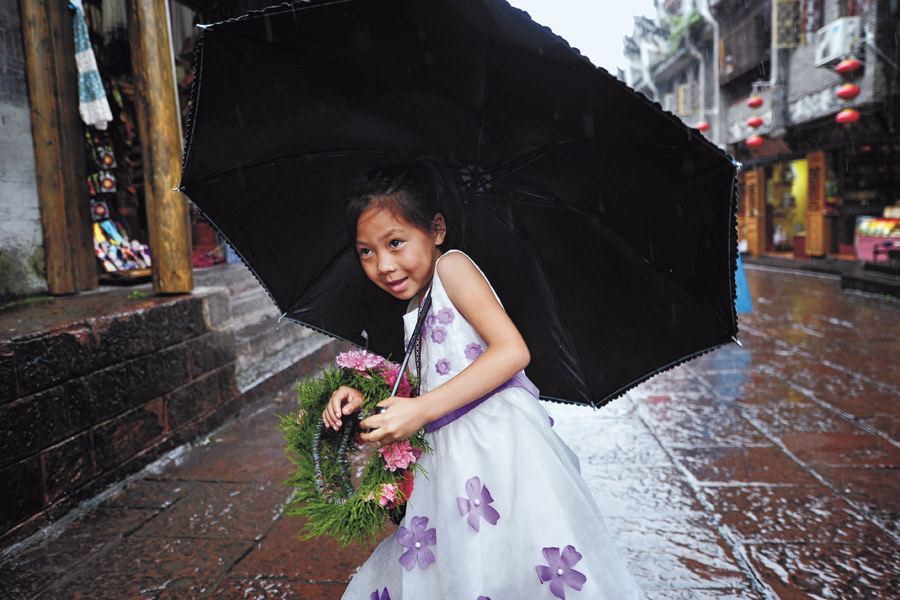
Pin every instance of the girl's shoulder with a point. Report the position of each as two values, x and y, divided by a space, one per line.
453 259
455 271
454 264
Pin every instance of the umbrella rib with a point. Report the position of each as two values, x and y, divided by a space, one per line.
523 160
476 161
299 156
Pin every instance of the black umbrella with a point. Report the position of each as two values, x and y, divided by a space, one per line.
606 226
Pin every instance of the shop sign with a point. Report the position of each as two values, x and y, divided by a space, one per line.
788 24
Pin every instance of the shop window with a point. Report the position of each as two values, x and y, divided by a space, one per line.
115 165
114 160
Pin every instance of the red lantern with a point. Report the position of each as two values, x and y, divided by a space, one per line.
847 116
703 125
754 122
754 141
848 91
847 66
755 101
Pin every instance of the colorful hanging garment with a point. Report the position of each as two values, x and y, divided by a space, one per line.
92 103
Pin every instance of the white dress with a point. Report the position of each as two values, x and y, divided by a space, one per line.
503 513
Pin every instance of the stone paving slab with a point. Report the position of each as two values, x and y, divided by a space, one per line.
756 473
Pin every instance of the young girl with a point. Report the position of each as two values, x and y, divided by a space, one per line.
502 512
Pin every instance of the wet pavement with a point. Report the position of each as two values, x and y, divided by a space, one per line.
762 472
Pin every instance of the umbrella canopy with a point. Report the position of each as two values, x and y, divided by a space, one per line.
606 226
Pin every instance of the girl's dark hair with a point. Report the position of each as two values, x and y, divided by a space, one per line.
414 189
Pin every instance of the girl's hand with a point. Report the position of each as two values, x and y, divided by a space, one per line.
344 401
403 417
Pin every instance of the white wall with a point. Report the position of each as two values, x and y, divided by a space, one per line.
22 265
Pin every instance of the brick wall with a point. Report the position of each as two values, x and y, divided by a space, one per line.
86 402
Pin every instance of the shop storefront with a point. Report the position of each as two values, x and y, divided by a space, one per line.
105 184
842 201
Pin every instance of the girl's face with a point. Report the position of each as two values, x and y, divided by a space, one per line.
396 255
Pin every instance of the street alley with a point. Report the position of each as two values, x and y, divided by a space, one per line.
757 472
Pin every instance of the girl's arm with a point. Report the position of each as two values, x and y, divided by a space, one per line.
506 355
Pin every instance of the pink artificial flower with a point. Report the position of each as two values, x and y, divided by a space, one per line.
388 494
399 455
389 373
360 360
406 488
401 491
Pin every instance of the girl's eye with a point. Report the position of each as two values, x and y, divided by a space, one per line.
396 243
364 252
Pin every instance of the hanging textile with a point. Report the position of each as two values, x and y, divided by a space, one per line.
92 103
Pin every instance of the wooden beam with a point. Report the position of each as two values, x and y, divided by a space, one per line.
44 100
58 147
73 158
160 130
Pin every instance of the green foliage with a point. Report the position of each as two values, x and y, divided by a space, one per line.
134 295
360 518
689 25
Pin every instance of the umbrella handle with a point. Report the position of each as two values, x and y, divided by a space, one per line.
412 341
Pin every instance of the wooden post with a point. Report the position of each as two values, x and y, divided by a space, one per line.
815 205
755 217
160 130
58 146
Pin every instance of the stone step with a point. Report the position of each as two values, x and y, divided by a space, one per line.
251 307
255 367
264 346
255 339
236 277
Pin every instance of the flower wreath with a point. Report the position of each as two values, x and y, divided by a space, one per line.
324 489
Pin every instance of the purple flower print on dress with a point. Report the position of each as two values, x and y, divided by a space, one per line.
445 316
474 350
483 598
442 366
478 504
430 321
384 595
559 571
417 540
438 335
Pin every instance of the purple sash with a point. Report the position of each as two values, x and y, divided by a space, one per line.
518 380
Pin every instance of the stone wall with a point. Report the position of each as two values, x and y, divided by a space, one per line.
88 401
22 265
